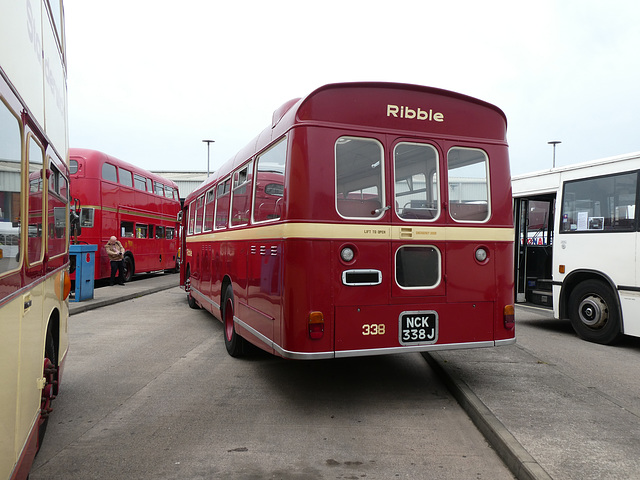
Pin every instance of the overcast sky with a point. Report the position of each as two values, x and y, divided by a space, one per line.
149 80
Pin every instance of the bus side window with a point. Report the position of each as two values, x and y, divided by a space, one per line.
57 211
222 204
241 203
208 210
10 168
149 185
159 232
86 217
269 183
199 213
125 177
192 217
109 172
150 231
170 233
141 231
35 213
139 182
126 229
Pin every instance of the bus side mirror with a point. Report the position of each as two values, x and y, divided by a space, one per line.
179 217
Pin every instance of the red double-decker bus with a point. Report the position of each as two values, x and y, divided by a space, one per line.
367 218
137 206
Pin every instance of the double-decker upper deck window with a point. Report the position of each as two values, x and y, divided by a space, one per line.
416 181
269 188
109 172
359 177
603 204
125 177
140 182
468 173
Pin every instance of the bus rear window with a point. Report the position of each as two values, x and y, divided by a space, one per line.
359 177
418 267
416 181
468 184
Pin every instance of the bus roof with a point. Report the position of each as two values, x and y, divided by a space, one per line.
549 181
97 157
378 106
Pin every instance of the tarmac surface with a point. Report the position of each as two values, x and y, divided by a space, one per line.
510 396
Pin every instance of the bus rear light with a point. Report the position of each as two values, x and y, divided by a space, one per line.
316 325
509 317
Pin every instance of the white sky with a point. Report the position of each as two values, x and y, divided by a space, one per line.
149 80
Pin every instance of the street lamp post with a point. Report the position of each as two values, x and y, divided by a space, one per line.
208 142
554 143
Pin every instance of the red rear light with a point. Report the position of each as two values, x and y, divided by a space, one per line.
316 325
509 317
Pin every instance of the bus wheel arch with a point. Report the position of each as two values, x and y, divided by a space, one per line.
233 342
50 374
129 266
594 310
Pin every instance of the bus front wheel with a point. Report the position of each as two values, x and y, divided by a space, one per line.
232 341
594 313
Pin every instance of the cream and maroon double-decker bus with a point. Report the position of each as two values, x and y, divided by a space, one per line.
34 224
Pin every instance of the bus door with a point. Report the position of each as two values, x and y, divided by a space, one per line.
533 221
417 249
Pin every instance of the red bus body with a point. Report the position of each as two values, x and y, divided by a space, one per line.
137 206
373 167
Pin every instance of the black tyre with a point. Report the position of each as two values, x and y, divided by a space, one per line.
594 313
128 268
50 375
235 343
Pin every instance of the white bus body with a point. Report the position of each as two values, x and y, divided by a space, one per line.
577 244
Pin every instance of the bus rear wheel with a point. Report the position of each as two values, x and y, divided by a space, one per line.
594 313
128 268
232 341
187 286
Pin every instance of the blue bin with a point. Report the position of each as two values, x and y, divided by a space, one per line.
85 271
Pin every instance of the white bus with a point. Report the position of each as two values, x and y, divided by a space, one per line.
577 242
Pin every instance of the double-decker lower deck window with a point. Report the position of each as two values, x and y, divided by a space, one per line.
603 204
359 177
10 171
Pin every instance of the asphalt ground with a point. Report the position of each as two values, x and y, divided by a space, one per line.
533 414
